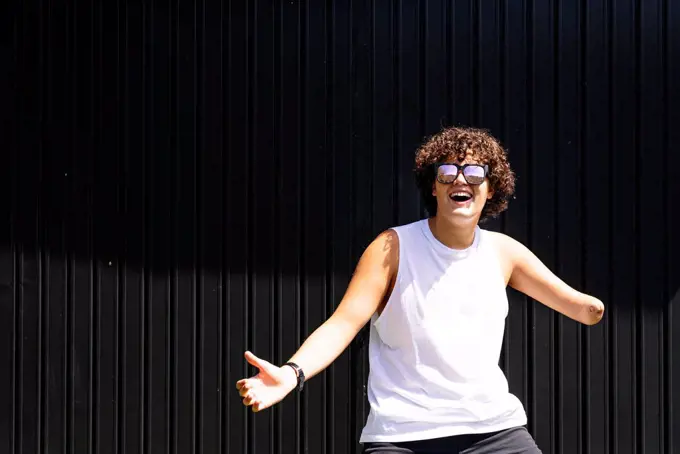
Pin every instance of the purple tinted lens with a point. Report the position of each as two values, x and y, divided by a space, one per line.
447 172
474 172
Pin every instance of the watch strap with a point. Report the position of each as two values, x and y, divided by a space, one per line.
299 373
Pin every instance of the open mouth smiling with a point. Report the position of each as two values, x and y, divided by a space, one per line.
460 196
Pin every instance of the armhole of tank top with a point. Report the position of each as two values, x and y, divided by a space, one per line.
492 250
379 317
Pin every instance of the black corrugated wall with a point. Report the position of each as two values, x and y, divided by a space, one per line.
184 182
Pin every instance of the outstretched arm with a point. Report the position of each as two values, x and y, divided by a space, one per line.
530 276
367 289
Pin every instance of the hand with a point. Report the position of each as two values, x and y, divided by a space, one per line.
269 386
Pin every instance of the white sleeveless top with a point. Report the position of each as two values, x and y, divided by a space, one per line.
434 350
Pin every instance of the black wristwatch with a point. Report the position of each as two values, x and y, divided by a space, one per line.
299 373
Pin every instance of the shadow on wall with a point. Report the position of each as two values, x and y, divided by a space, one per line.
164 220
86 235
157 216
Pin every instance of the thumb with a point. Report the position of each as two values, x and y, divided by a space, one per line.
261 364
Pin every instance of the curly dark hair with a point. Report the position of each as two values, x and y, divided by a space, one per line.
453 143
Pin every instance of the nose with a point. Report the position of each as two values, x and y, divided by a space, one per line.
461 178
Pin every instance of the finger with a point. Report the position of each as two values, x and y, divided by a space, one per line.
247 382
250 396
257 362
259 406
244 390
250 383
248 399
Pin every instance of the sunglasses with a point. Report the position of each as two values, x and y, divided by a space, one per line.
473 173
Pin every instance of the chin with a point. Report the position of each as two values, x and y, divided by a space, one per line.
462 215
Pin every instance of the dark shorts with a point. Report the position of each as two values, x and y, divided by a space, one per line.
511 441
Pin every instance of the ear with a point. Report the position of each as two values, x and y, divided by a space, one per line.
490 194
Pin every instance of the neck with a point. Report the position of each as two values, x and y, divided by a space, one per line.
451 234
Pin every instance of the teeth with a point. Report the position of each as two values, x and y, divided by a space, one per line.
463 194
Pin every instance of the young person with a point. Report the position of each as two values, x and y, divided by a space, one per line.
434 292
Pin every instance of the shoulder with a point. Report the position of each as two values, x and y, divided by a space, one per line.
383 251
512 253
385 247
505 245
508 250
387 240
390 238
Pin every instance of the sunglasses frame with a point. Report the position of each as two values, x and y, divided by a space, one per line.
461 169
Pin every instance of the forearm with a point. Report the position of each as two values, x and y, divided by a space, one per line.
324 345
576 305
558 296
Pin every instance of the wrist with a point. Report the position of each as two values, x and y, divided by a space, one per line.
290 377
